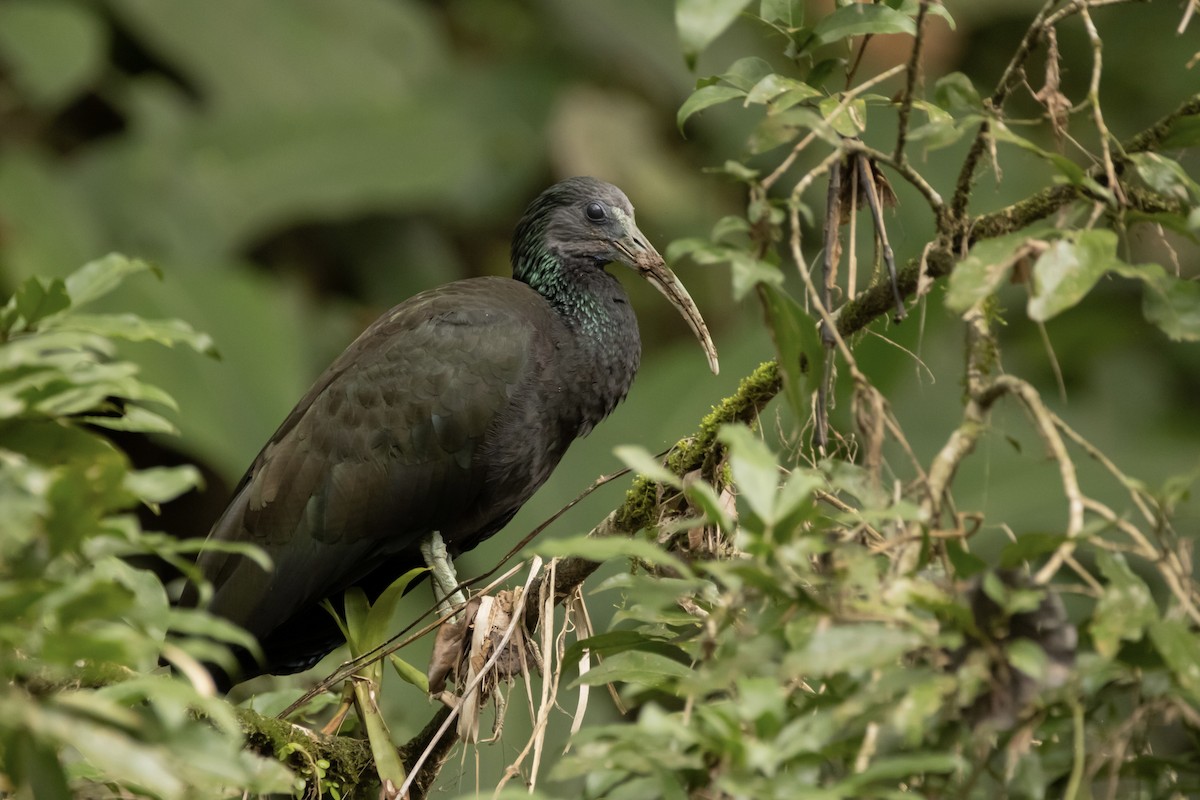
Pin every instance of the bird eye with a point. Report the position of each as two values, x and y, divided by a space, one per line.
595 212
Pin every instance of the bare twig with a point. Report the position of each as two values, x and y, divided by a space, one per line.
905 170
849 96
866 179
994 105
914 65
497 653
1110 170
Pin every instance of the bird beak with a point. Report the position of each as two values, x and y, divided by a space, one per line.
642 256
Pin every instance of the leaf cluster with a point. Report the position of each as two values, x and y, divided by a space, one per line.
83 701
853 640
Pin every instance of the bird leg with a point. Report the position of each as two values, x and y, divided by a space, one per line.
441 571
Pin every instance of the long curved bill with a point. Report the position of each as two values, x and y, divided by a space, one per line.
651 266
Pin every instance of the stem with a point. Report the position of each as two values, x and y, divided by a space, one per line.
914 64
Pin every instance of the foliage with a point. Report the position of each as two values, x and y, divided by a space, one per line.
878 615
865 642
82 701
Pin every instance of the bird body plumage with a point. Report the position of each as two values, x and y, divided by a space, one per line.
445 415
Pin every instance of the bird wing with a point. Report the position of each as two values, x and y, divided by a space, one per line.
382 450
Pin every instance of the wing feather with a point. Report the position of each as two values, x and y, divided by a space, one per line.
383 449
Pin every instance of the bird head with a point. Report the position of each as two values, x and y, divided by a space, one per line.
585 222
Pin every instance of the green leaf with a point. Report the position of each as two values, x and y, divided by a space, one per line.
749 272
955 92
35 300
798 345
850 120
1176 223
740 172
795 499
97 278
642 462
635 666
774 85
53 50
1012 599
746 72
1068 269
850 648
1174 306
942 129
134 418
198 623
34 765
654 598
119 755
356 608
965 563
1074 173
792 97
1170 303
789 13
729 226
704 497
608 644
1027 656
1028 547
777 129
408 673
1166 176
701 21
163 484
911 7
760 698
604 549
705 97
860 19
755 470
132 328
375 629
1124 610
1180 648
987 265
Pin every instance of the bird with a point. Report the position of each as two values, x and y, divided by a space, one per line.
429 432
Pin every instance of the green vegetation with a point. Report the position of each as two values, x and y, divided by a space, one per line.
977 583
83 629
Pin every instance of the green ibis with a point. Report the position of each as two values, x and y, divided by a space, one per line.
440 421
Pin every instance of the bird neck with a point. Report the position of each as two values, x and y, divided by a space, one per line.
581 294
605 345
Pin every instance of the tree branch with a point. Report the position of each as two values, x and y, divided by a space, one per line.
350 759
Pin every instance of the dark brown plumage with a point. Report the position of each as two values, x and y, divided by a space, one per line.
445 415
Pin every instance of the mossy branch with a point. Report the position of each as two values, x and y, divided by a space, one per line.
757 389
349 758
641 500
351 766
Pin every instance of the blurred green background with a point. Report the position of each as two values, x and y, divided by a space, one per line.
296 167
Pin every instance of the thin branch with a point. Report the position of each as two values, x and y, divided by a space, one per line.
866 179
936 204
914 65
758 389
1080 6
1110 171
848 97
994 105
962 441
639 509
